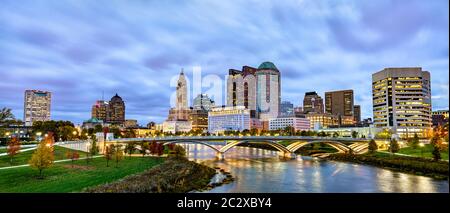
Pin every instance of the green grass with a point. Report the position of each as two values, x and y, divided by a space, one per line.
24 157
423 152
63 178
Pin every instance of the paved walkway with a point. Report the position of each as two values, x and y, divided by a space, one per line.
57 161
400 154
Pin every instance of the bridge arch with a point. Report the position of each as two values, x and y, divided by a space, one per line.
335 144
275 145
192 142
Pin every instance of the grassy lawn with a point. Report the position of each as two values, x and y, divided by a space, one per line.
63 178
24 157
423 152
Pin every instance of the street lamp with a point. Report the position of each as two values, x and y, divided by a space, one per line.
421 148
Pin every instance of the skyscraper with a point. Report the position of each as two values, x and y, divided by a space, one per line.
116 111
340 103
312 102
402 100
268 94
286 109
178 119
36 106
202 102
357 113
241 89
100 110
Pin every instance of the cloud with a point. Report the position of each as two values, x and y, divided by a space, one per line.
79 50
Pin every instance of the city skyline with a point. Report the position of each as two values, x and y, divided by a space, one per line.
124 55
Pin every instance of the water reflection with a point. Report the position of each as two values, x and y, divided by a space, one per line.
257 170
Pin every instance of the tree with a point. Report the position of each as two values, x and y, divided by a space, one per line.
372 146
117 153
393 146
177 152
73 155
13 148
414 142
129 148
108 154
144 148
43 157
6 114
354 134
436 153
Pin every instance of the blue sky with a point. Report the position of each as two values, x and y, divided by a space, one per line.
77 49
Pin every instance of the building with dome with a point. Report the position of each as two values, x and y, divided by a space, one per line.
257 89
110 112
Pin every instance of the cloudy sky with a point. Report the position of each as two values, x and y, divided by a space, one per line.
79 49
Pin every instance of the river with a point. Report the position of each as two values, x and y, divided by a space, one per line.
262 171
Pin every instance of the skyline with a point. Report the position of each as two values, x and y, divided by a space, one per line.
41 51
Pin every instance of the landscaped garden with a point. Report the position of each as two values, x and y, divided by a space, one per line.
63 177
23 157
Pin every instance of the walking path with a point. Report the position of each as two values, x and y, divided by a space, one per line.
57 161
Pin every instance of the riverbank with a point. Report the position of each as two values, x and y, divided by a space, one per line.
172 176
414 165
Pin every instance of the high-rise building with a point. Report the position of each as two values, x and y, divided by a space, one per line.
241 89
199 119
202 102
312 102
402 100
256 89
178 119
116 111
440 117
357 113
36 106
268 90
222 119
340 103
286 109
100 110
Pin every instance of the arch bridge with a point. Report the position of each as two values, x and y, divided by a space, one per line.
343 145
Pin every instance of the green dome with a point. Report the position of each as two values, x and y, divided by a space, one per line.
267 66
94 120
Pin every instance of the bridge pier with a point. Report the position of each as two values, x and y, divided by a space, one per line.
289 155
220 155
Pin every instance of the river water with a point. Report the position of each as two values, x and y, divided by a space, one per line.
262 171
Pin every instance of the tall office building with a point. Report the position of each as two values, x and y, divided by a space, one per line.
202 102
268 91
286 109
178 119
402 100
357 113
36 106
312 102
116 110
340 103
241 89
100 110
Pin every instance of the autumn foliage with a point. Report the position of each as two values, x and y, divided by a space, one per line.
13 148
43 157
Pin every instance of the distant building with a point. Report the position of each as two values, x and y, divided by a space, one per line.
199 119
222 119
402 100
151 125
298 112
363 132
116 111
37 105
340 103
312 102
91 123
298 124
286 109
100 110
321 120
178 119
357 113
440 117
131 123
203 102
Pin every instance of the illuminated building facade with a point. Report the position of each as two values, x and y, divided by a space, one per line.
222 119
282 122
440 117
402 100
178 119
322 120
340 103
100 110
312 102
36 106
